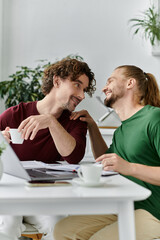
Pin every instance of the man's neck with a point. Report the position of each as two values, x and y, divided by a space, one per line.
44 106
127 109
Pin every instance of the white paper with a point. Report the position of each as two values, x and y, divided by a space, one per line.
58 167
63 167
32 164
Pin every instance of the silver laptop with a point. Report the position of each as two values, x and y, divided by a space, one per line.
13 166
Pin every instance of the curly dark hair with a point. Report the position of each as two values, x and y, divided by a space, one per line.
72 68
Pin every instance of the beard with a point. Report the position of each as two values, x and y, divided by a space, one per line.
114 98
109 102
70 105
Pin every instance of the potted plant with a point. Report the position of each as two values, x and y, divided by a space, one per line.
148 23
25 84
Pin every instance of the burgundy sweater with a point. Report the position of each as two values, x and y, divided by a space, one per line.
42 147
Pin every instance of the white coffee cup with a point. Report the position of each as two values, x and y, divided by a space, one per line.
16 137
90 173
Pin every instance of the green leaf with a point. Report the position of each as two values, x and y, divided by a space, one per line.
148 24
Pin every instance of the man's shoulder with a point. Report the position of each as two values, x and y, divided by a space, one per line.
66 115
21 109
153 113
14 109
151 118
22 106
152 108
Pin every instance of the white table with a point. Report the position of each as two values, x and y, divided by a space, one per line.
115 197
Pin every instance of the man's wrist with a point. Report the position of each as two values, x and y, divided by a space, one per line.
51 120
92 125
133 169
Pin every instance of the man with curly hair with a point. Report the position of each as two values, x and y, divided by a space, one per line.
49 133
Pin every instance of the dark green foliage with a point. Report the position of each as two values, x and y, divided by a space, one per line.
23 86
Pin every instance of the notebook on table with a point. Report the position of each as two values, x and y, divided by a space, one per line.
13 166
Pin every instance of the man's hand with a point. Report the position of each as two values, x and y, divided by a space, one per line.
83 115
112 162
6 134
33 124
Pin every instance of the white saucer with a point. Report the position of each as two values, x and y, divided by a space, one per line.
80 182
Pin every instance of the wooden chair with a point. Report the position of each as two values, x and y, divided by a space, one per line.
32 232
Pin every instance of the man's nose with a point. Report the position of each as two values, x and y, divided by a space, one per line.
82 95
105 88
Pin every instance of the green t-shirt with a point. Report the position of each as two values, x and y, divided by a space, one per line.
137 140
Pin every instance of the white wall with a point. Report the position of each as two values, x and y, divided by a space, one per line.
97 30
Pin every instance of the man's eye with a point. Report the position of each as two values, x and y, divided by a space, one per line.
77 85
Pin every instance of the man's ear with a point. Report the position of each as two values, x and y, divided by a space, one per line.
131 82
56 81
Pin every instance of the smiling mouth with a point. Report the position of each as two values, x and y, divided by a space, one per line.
75 100
108 93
